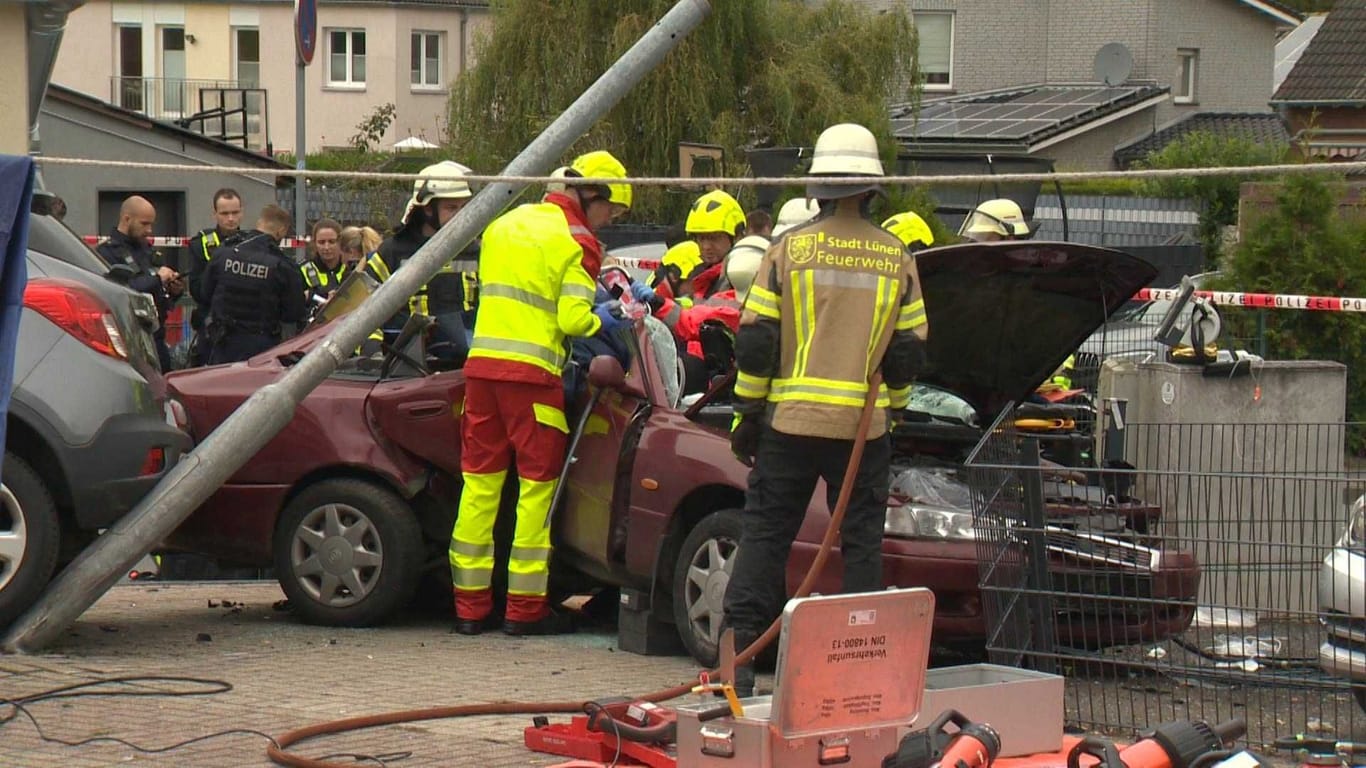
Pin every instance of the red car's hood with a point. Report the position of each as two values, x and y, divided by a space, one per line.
1004 316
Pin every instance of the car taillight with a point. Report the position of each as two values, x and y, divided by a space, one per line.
78 311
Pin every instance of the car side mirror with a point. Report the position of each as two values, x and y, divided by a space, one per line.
120 273
605 372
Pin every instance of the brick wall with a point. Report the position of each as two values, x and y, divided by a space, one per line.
1095 149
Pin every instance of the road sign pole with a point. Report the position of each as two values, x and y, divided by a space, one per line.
300 145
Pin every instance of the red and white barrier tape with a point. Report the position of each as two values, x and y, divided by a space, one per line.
182 242
629 261
1262 300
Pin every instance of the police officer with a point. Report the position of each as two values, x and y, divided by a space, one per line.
324 272
449 297
128 245
227 220
834 299
252 288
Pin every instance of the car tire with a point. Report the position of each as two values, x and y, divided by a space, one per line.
700 577
30 537
348 553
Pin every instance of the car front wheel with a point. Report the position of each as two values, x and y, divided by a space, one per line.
349 553
701 575
30 535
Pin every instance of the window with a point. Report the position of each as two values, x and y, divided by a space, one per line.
247 56
346 57
130 68
935 32
1187 76
425 61
173 94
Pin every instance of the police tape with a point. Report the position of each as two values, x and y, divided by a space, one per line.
182 242
1219 298
1261 300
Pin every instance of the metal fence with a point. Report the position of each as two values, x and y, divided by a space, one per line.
1193 571
1118 221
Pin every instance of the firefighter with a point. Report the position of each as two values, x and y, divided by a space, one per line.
996 220
798 210
537 284
323 273
715 222
833 300
227 220
449 296
253 289
911 230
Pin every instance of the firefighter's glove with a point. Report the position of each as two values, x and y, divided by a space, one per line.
647 296
744 438
609 312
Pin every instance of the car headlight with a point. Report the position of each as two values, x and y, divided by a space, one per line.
1356 524
915 521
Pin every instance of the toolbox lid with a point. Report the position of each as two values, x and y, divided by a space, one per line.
852 662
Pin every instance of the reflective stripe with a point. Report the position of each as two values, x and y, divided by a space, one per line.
310 275
899 398
884 305
842 278
204 243
473 550
519 295
815 394
578 291
804 297
577 230
672 317
375 263
523 348
550 416
751 387
912 316
531 554
472 578
533 584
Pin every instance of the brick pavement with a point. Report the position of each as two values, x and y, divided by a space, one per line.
286 674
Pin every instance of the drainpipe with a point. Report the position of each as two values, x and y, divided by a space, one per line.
464 41
46 23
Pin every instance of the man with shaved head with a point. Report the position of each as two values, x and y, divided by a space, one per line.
128 244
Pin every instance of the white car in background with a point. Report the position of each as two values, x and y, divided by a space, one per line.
1342 604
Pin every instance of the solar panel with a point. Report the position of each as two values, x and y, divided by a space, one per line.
1012 116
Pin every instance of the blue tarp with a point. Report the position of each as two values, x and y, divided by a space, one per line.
16 192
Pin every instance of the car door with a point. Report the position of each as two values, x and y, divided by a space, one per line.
586 522
422 416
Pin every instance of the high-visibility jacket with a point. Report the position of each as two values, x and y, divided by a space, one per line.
823 300
537 280
319 280
202 245
450 290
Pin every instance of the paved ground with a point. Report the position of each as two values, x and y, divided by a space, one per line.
285 675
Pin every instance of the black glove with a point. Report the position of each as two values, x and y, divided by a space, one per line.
744 438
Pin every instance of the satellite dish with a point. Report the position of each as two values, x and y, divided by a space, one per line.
1114 64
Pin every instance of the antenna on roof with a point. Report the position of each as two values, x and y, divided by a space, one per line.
1114 63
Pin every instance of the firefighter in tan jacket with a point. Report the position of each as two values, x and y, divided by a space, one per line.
834 300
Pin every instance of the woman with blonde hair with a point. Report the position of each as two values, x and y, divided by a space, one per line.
357 243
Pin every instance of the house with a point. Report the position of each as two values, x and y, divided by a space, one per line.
1324 97
74 124
226 68
1073 80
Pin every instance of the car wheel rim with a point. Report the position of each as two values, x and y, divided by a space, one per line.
336 555
708 574
13 536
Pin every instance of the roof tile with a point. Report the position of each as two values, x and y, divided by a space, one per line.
1333 67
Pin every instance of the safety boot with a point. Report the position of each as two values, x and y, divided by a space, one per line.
468 627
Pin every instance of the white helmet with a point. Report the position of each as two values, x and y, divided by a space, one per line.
794 212
1000 217
742 263
846 149
442 180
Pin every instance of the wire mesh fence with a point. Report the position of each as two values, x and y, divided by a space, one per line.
1201 571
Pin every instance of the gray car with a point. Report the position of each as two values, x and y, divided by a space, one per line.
90 429
1342 603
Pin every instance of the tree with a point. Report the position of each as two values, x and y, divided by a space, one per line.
756 73
1303 246
1202 149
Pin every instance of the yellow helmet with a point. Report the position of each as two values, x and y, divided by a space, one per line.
1001 217
910 229
716 211
685 256
742 263
602 165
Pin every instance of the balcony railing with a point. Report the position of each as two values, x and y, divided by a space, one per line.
221 109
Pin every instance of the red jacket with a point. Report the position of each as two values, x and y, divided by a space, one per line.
582 233
687 323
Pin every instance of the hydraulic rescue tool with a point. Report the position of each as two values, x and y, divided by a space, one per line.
973 745
1182 744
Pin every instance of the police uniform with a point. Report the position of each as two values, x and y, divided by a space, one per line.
200 252
833 300
252 289
138 254
320 281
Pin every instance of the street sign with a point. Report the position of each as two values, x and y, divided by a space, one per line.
305 29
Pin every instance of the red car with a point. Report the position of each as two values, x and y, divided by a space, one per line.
354 500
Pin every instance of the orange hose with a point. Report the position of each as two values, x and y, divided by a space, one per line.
277 751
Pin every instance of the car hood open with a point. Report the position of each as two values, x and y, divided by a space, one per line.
1004 316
